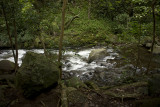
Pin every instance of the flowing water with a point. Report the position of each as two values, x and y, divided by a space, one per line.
74 61
76 64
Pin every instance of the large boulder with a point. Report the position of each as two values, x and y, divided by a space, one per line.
36 74
97 54
6 66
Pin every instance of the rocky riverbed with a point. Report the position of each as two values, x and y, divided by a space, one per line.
112 74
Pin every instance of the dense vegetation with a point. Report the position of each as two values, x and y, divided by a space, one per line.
127 32
101 22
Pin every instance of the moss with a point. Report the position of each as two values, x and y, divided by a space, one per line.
75 97
75 82
122 95
92 85
36 74
128 91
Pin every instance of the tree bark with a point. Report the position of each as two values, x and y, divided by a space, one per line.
43 44
70 21
61 37
154 29
89 9
8 31
138 55
15 36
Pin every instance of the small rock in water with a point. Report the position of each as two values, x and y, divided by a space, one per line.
97 54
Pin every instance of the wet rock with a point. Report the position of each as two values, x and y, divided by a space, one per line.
67 75
36 74
97 54
6 66
106 78
98 69
86 76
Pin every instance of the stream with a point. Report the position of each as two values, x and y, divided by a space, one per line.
117 64
74 60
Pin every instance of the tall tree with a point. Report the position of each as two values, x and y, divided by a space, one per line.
89 9
154 34
61 36
64 102
8 30
15 55
15 36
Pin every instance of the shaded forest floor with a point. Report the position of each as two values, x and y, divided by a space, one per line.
78 98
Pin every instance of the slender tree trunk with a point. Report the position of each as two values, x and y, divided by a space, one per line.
64 102
43 44
69 22
16 42
139 40
89 9
153 39
61 36
8 31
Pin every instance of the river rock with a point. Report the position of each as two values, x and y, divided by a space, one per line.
156 49
148 45
75 82
108 78
97 54
6 66
36 74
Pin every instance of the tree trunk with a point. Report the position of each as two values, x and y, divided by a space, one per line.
139 40
154 29
16 42
8 31
70 21
89 9
61 36
43 44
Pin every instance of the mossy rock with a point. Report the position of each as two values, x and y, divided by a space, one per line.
97 54
92 85
156 49
132 91
6 66
36 74
75 82
70 89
